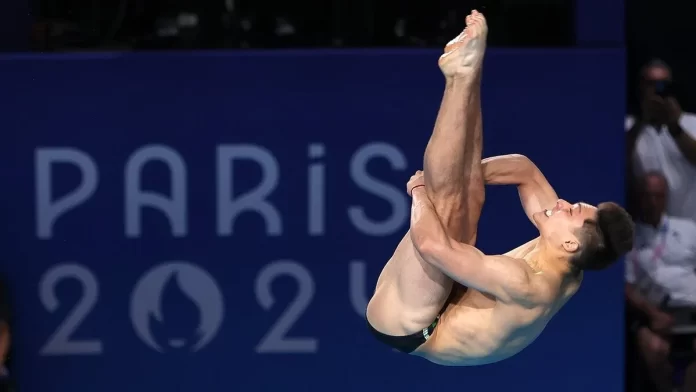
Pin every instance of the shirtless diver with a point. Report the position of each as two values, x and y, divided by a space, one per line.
442 299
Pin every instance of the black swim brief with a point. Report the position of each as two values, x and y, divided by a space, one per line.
408 343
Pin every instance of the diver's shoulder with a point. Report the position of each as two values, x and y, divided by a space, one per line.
522 250
560 289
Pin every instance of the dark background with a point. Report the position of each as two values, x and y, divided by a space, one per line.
646 28
664 30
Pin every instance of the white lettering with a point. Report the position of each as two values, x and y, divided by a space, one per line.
276 339
357 282
316 191
254 200
173 207
48 210
62 341
386 191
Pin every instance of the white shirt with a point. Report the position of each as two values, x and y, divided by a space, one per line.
657 151
663 261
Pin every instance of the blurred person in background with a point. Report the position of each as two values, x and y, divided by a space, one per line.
660 274
6 383
663 138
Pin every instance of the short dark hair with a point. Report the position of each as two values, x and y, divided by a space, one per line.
604 239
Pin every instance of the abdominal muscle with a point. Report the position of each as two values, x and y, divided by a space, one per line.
477 329
468 336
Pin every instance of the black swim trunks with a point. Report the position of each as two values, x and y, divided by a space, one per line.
406 344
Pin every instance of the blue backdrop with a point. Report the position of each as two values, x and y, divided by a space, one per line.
217 221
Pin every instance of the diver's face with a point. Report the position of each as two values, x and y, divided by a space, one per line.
562 222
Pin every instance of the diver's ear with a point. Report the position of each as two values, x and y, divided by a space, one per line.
571 246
